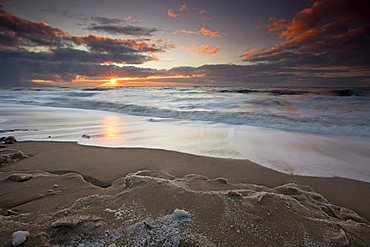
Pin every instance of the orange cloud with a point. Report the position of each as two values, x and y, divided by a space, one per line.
327 33
173 14
186 31
206 32
202 31
205 49
277 25
252 52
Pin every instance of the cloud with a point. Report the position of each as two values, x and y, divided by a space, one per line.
119 26
326 34
125 30
199 11
107 20
202 31
25 44
173 13
277 25
205 49
183 8
206 32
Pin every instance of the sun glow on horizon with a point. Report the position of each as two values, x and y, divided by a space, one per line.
114 80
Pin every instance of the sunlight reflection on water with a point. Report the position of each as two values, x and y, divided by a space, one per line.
111 126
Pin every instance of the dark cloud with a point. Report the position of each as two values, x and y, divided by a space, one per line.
106 20
326 34
123 30
16 31
24 43
119 26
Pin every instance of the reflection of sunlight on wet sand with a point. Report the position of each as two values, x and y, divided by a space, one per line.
111 126
111 131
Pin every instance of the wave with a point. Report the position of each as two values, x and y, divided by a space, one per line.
314 110
331 125
99 88
278 92
80 94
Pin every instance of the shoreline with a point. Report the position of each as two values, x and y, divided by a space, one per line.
289 152
88 160
66 194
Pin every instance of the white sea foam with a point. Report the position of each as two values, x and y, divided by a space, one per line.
289 152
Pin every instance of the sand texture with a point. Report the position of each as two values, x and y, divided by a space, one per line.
67 195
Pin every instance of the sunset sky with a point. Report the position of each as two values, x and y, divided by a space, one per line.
208 42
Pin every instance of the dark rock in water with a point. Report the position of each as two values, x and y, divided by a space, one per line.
344 92
11 156
19 177
2 139
10 140
85 136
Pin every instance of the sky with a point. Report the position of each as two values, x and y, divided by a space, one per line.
188 42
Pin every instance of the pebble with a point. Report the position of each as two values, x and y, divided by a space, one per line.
19 237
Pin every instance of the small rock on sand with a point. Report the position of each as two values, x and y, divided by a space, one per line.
180 214
19 177
10 140
19 237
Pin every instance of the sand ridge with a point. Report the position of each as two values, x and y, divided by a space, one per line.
141 197
150 208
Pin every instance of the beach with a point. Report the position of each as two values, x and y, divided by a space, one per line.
185 167
96 196
184 123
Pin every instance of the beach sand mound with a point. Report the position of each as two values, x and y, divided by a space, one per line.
152 208
11 156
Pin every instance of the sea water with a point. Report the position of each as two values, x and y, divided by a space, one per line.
303 131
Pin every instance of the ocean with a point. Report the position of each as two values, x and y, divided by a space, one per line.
302 131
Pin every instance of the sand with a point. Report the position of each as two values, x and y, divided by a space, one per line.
66 194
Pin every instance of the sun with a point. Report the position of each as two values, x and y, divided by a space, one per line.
113 82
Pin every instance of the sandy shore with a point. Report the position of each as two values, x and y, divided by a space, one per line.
141 188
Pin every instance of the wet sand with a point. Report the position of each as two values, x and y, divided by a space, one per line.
153 183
